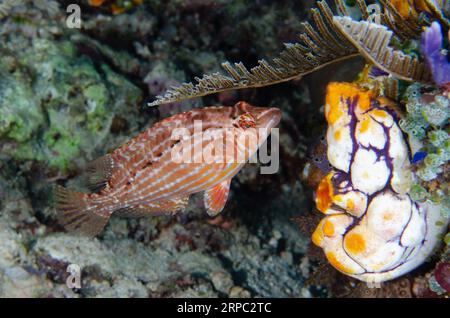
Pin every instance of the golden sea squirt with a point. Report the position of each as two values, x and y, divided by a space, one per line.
372 229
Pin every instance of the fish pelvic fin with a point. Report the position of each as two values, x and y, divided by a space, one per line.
78 213
216 197
98 173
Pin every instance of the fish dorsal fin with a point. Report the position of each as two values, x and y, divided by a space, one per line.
170 206
98 172
216 197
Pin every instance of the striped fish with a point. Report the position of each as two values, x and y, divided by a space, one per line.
155 173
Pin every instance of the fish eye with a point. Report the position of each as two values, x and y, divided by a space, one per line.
245 121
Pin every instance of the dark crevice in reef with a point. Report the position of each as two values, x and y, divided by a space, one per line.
239 276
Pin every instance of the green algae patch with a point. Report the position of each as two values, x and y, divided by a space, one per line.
56 107
18 116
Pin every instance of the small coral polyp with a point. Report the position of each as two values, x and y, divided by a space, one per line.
373 230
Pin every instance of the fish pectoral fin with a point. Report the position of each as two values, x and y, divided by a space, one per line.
170 206
216 197
98 172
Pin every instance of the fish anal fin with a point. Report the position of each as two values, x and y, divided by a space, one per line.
162 207
98 172
216 197
138 211
77 213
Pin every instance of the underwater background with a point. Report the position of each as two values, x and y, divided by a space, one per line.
69 95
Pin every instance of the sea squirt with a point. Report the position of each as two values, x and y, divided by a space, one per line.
372 229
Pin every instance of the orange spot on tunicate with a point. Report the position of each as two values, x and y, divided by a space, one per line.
333 101
355 243
388 216
324 194
364 100
337 135
338 265
328 228
379 113
350 205
317 236
364 125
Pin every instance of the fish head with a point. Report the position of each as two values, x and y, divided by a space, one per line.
246 116
254 123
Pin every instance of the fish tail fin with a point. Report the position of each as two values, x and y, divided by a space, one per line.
78 212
